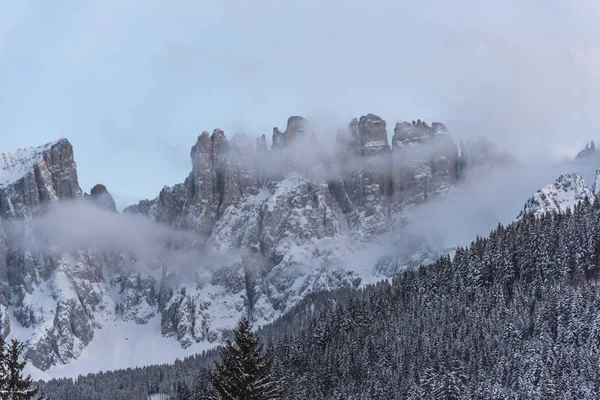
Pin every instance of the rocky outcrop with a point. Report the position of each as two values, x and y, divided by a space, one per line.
425 161
590 149
222 174
138 297
565 193
362 156
33 177
294 150
71 283
102 198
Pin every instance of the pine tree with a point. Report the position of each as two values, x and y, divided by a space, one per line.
3 371
202 388
182 392
244 372
14 385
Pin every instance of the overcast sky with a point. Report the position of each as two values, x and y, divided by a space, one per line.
132 83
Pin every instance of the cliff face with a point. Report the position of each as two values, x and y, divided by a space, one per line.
53 295
263 228
295 210
32 177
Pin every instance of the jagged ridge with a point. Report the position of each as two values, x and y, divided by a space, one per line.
272 225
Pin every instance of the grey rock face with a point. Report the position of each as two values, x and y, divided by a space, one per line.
425 161
363 158
295 150
590 149
73 282
138 297
43 175
100 195
222 173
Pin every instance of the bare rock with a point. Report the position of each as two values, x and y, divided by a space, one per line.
102 198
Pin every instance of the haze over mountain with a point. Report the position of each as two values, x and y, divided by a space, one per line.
126 228
129 84
251 231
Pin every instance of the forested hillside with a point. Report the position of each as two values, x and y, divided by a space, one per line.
514 315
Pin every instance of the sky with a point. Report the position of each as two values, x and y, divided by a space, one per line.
132 83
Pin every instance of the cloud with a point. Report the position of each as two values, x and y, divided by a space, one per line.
475 206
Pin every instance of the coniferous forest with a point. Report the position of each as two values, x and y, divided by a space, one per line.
515 315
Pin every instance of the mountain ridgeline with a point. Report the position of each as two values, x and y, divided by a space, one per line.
251 231
512 316
363 173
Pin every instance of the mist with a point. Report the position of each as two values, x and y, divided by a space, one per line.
486 198
133 93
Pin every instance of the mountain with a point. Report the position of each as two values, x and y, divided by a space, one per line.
301 215
47 297
514 315
589 150
565 193
251 230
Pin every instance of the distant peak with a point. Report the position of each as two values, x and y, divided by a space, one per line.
100 195
297 127
563 194
590 148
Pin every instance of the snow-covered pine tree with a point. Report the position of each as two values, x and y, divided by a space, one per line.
3 371
182 392
14 386
202 388
244 372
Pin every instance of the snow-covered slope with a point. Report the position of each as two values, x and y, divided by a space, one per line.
15 164
250 231
565 193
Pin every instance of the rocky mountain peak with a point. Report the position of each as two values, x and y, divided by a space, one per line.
406 133
33 176
563 194
220 145
101 197
261 144
297 128
278 138
372 132
201 149
590 149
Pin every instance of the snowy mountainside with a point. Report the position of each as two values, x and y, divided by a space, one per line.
14 165
251 231
563 194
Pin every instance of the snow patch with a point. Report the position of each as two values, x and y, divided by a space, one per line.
122 344
15 164
565 193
